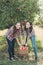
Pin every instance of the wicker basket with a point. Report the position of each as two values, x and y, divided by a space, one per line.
23 51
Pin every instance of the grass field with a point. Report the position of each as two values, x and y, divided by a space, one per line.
4 57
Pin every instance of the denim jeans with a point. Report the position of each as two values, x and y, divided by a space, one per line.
11 47
34 44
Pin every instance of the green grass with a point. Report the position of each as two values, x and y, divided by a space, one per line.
4 60
4 57
7 62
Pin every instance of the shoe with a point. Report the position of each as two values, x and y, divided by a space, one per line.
35 58
15 57
12 59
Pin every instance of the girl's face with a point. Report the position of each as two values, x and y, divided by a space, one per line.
18 26
27 25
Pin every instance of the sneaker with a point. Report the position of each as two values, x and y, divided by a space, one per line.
12 59
15 57
35 58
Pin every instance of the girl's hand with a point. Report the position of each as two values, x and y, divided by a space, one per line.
19 44
26 44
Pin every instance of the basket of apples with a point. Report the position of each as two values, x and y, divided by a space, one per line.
23 50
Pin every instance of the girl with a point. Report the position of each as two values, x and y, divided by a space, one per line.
29 32
12 36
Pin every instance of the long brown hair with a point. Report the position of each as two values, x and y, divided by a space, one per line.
23 22
30 28
15 30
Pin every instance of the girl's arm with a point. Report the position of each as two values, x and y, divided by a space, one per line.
26 41
21 40
18 41
20 35
25 38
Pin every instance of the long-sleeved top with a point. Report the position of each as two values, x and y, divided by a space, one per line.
10 32
28 34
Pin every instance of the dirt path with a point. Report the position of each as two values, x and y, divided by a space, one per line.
39 33
3 32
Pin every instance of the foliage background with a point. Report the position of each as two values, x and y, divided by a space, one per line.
12 11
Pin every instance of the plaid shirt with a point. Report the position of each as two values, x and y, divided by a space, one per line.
10 32
27 34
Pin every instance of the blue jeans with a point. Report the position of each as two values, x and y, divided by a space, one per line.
34 44
11 47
